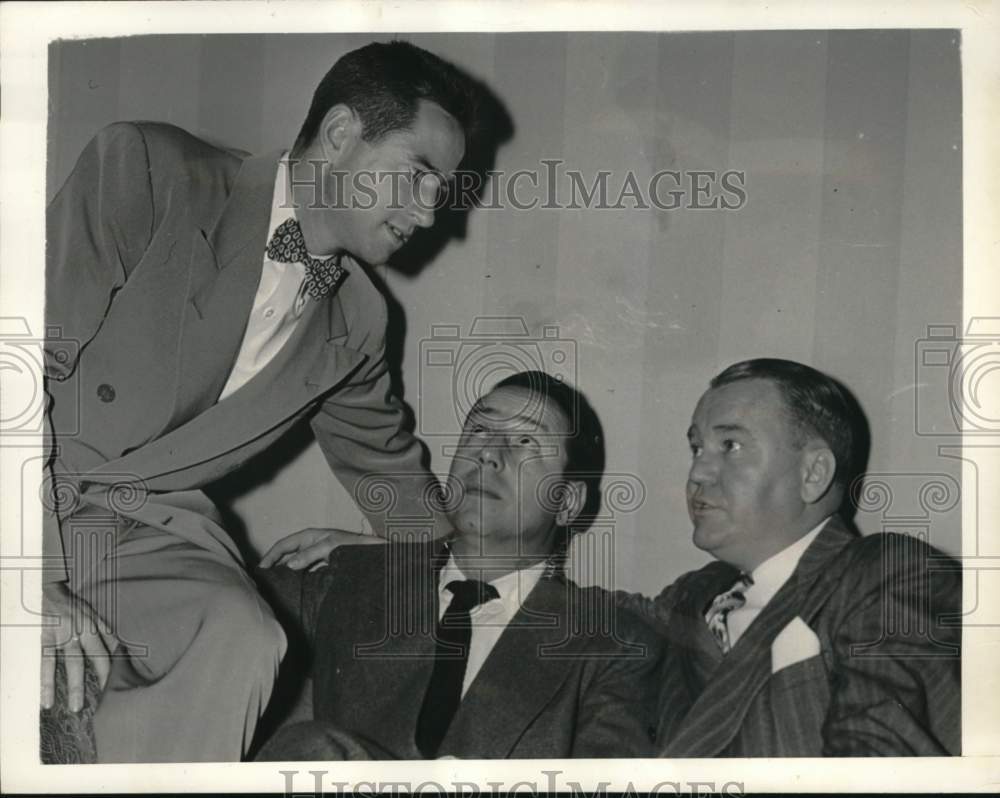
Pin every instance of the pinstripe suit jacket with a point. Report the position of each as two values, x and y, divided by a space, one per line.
886 609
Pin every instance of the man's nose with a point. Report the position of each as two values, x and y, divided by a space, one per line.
423 216
489 456
702 471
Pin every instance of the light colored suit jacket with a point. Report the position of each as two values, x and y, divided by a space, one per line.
154 251
883 613
569 677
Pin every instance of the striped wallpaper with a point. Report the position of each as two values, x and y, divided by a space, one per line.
847 247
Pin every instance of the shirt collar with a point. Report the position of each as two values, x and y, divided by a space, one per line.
281 210
513 587
770 575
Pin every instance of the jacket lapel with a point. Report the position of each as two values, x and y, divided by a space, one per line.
518 679
373 664
397 666
225 271
717 714
701 653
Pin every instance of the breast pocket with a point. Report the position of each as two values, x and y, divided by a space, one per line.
809 673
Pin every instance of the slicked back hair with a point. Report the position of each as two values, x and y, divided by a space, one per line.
817 404
383 84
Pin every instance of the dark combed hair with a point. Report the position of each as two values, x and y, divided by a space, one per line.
818 405
585 454
383 84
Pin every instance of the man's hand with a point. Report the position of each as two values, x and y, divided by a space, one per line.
78 633
310 548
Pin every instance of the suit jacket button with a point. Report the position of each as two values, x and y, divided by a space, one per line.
105 392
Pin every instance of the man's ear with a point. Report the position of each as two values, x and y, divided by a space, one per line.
819 465
573 499
338 133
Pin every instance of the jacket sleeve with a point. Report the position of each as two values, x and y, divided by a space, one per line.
896 681
361 429
97 228
658 612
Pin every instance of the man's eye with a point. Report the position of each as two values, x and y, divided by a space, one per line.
477 429
729 445
696 449
429 185
525 440
425 178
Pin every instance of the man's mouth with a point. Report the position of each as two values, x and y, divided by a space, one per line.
481 491
401 236
699 506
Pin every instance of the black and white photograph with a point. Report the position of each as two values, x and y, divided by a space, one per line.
398 395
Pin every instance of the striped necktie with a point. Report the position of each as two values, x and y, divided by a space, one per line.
724 604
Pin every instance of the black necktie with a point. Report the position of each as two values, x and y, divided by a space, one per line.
287 245
444 692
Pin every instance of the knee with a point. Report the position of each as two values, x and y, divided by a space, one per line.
240 617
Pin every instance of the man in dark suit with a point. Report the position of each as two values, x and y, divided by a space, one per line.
803 639
480 648
213 301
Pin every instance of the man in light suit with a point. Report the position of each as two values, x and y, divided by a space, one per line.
803 639
544 670
211 301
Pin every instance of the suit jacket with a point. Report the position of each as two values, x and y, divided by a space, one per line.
569 676
154 251
886 681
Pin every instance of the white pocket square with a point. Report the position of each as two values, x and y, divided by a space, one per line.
794 643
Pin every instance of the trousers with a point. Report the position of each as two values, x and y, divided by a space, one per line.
199 649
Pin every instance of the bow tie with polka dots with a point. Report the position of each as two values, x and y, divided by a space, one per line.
323 277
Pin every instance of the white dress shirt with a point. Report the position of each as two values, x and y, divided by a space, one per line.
768 578
279 303
491 618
